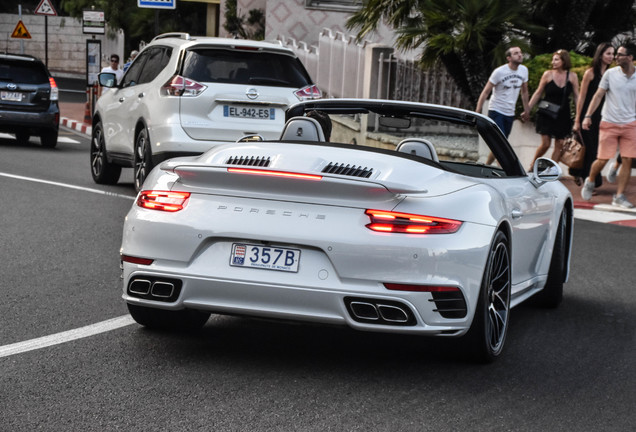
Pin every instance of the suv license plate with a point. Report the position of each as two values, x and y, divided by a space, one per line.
265 257
11 96
248 112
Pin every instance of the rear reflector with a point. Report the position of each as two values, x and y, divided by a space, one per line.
163 200
274 173
420 288
405 223
136 260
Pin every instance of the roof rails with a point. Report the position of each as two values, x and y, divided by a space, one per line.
179 35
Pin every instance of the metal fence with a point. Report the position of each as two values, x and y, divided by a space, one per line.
337 65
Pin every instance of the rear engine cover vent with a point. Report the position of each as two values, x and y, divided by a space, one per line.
348 170
249 161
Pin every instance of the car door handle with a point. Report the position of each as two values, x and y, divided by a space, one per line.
140 95
516 213
121 99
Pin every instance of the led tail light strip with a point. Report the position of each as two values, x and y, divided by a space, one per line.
405 223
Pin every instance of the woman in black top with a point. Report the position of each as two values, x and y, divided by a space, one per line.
603 57
556 85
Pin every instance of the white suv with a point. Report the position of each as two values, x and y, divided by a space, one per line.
183 95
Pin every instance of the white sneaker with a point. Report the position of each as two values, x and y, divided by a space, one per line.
611 175
621 201
587 190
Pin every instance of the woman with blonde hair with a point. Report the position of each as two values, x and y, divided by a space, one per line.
556 86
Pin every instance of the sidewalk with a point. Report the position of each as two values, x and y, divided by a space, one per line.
72 115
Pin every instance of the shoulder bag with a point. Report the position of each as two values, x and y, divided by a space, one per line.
573 151
551 109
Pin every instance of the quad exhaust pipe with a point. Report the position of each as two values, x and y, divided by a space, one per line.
384 312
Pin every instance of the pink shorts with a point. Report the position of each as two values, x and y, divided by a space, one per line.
614 137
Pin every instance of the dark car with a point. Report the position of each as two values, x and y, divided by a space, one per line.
28 99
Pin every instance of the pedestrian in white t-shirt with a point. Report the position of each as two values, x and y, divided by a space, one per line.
114 67
505 83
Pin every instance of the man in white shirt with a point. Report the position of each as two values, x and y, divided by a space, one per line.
114 67
505 82
617 130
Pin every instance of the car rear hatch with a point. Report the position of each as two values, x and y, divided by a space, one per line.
236 91
24 86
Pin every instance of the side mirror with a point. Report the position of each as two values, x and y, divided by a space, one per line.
545 170
107 79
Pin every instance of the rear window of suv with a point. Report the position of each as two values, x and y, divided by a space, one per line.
23 72
244 67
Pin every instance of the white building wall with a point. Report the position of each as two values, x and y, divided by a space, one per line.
66 42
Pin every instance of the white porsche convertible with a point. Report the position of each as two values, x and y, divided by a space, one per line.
393 225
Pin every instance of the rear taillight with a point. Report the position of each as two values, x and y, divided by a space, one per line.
181 86
274 173
405 223
163 200
309 92
55 92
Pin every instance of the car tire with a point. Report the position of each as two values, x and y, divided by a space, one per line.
161 319
143 158
22 137
103 172
552 293
48 138
488 331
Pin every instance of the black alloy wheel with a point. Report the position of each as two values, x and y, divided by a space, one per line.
487 334
102 171
143 158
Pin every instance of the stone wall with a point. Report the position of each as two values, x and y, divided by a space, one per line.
66 42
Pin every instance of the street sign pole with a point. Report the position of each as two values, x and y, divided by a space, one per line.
20 18
46 41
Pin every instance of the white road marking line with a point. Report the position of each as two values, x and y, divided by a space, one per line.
67 336
66 185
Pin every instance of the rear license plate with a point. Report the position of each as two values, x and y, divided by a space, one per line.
11 96
265 257
248 112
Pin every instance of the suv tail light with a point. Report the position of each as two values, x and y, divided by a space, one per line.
309 92
163 200
404 223
55 92
181 86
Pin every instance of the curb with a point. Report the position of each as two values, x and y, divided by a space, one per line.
75 125
604 207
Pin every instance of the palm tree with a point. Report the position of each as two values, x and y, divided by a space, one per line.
469 37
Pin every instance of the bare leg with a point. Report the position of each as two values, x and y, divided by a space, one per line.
558 149
596 168
623 175
543 147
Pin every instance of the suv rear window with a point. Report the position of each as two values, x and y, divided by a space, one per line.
244 67
23 72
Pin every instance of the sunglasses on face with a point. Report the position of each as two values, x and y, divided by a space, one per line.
620 55
114 60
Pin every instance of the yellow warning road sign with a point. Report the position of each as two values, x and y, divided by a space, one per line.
20 31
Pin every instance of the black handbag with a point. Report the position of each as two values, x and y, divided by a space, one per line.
548 108
551 109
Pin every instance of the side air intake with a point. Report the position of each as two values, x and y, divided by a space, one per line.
348 170
249 161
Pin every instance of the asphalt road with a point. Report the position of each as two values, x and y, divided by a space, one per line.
566 369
